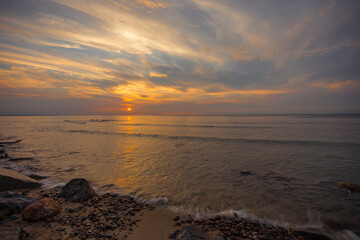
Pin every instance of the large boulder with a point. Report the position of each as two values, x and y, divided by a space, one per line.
77 190
41 209
11 180
11 203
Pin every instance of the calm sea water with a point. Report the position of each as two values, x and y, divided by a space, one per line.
282 168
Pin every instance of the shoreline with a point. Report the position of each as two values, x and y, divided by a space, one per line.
114 216
140 219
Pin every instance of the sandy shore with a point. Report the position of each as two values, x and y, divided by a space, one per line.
111 216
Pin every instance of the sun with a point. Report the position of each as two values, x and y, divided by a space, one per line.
129 109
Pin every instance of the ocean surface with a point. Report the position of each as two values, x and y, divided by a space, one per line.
280 169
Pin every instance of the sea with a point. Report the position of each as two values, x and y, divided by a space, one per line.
282 170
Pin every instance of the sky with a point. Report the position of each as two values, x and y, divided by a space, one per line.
75 57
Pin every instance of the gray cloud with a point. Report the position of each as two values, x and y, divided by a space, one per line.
253 55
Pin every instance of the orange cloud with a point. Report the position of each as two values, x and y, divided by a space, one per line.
159 75
335 85
144 91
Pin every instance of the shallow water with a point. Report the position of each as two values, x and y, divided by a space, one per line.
282 168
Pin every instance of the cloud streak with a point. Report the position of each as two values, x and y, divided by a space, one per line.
119 53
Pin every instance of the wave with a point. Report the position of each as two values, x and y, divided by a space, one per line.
237 140
104 120
192 126
75 121
314 225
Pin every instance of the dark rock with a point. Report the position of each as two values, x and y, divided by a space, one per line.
13 142
77 190
10 233
37 177
3 154
11 180
348 186
21 159
189 233
13 203
41 209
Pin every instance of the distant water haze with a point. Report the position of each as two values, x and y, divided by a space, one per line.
279 168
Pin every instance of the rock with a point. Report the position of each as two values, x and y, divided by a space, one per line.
3 154
13 203
11 180
189 233
10 142
37 177
77 190
41 209
348 186
244 173
10 233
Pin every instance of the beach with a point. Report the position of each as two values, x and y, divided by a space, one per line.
112 216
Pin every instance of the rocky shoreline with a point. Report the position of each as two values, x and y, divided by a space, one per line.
112 216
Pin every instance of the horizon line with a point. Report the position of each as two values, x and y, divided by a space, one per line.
172 114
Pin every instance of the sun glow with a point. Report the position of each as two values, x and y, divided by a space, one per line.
129 109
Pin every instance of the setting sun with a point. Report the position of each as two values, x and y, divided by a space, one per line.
129 109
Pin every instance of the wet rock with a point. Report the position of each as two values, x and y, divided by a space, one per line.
189 233
10 233
13 203
21 159
348 186
37 177
10 142
77 190
41 209
3 154
245 173
11 180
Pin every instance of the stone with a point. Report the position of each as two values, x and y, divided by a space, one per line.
41 209
348 186
3 154
10 233
77 190
13 203
10 142
11 180
37 177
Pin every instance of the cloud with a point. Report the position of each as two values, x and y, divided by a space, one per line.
159 75
335 85
193 51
